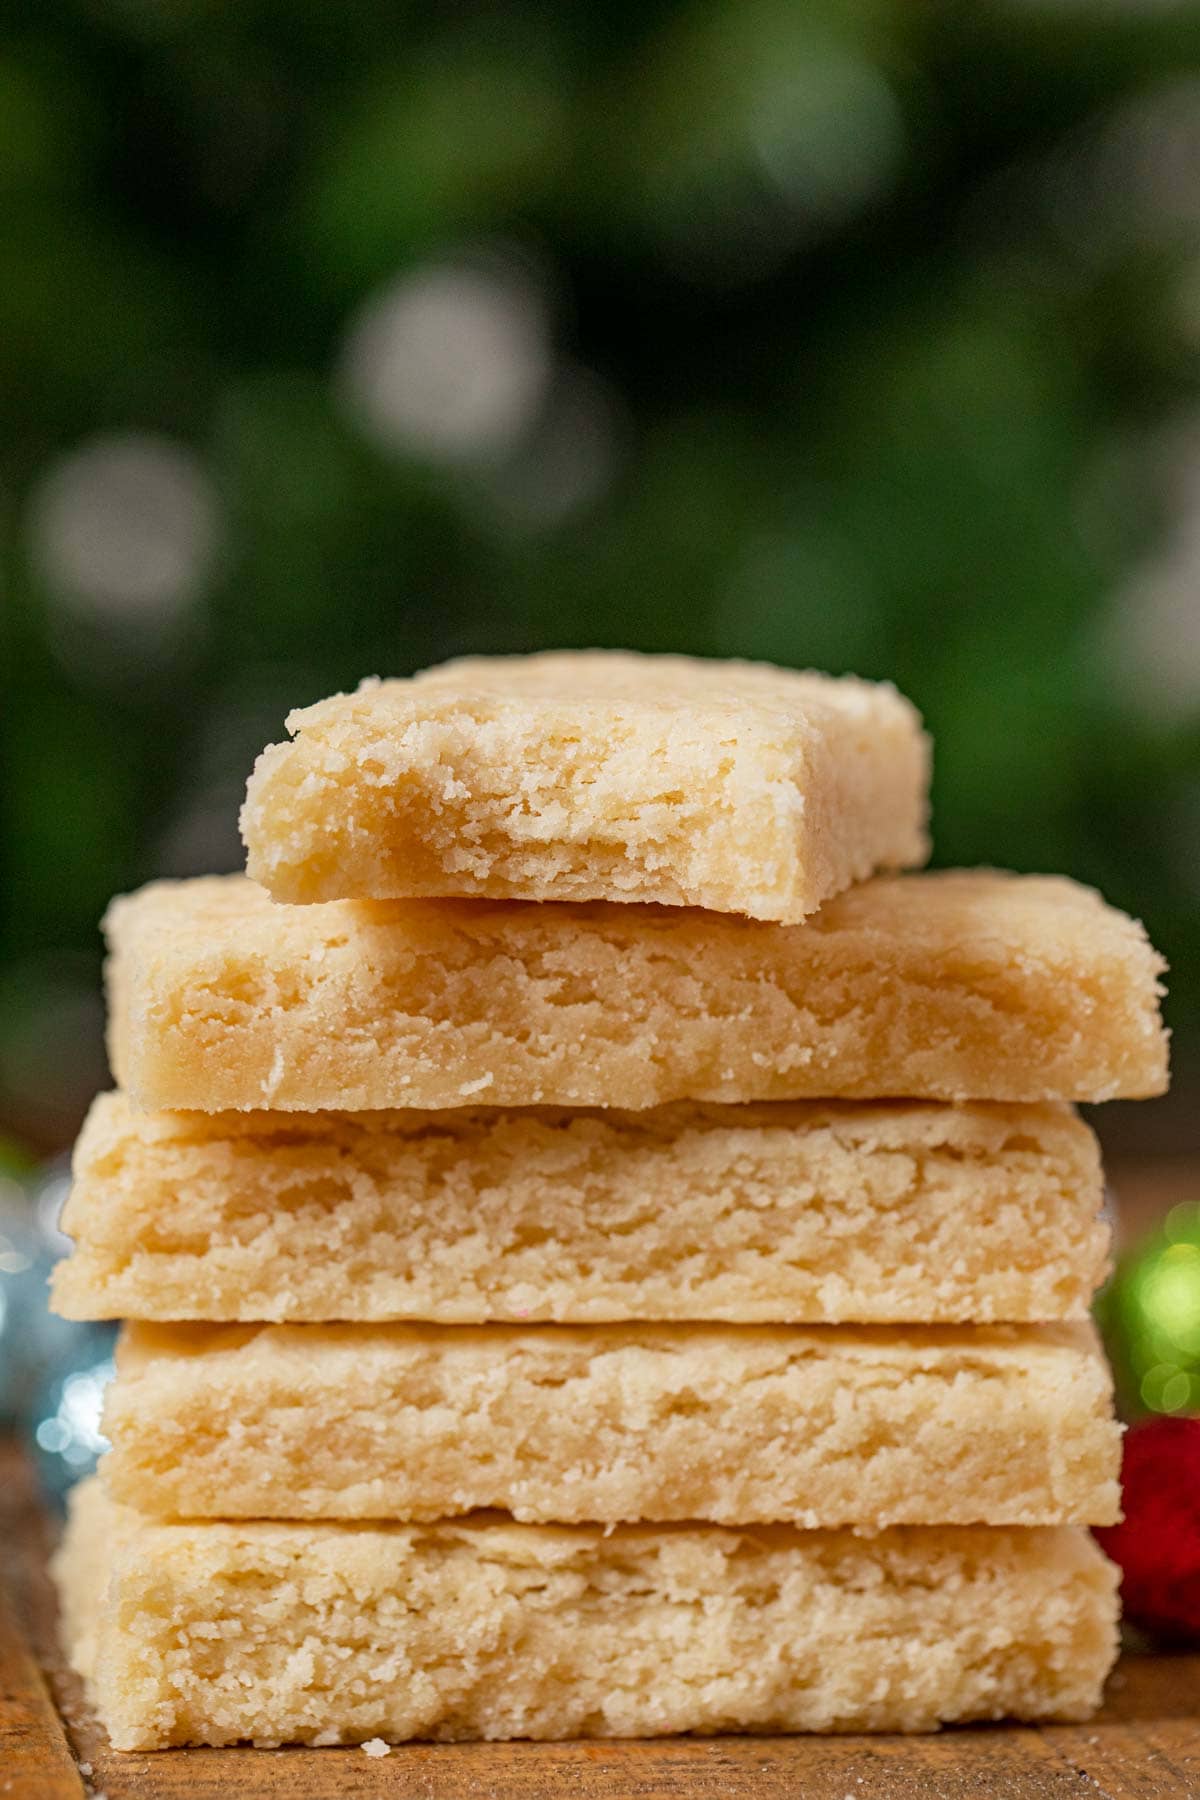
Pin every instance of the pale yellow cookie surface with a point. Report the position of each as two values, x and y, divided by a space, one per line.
808 1212
211 1633
816 1426
594 776
963 985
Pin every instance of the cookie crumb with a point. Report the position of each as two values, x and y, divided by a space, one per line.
377 1747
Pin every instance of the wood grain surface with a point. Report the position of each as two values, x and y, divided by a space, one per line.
1145 1745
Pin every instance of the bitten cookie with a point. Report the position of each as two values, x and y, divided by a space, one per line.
594 776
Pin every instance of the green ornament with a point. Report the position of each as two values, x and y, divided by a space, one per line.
1150 1316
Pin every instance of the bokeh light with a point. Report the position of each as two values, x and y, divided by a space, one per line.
72 1431
829 133
125 529
450 362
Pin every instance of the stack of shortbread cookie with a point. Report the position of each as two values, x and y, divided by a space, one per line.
606 1259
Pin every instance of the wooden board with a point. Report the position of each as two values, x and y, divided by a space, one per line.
1144 1746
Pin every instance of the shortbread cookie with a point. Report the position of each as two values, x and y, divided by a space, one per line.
320 1634
594 776
800 1211
954 986
739 1424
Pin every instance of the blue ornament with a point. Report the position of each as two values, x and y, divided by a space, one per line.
65 1430
52 1370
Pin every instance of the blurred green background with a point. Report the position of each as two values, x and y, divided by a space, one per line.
335 339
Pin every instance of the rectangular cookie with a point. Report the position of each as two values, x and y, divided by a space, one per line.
593 775
793 1211
967 985
323 1634
739 1424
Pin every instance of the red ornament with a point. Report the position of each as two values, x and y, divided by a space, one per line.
1158 1544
